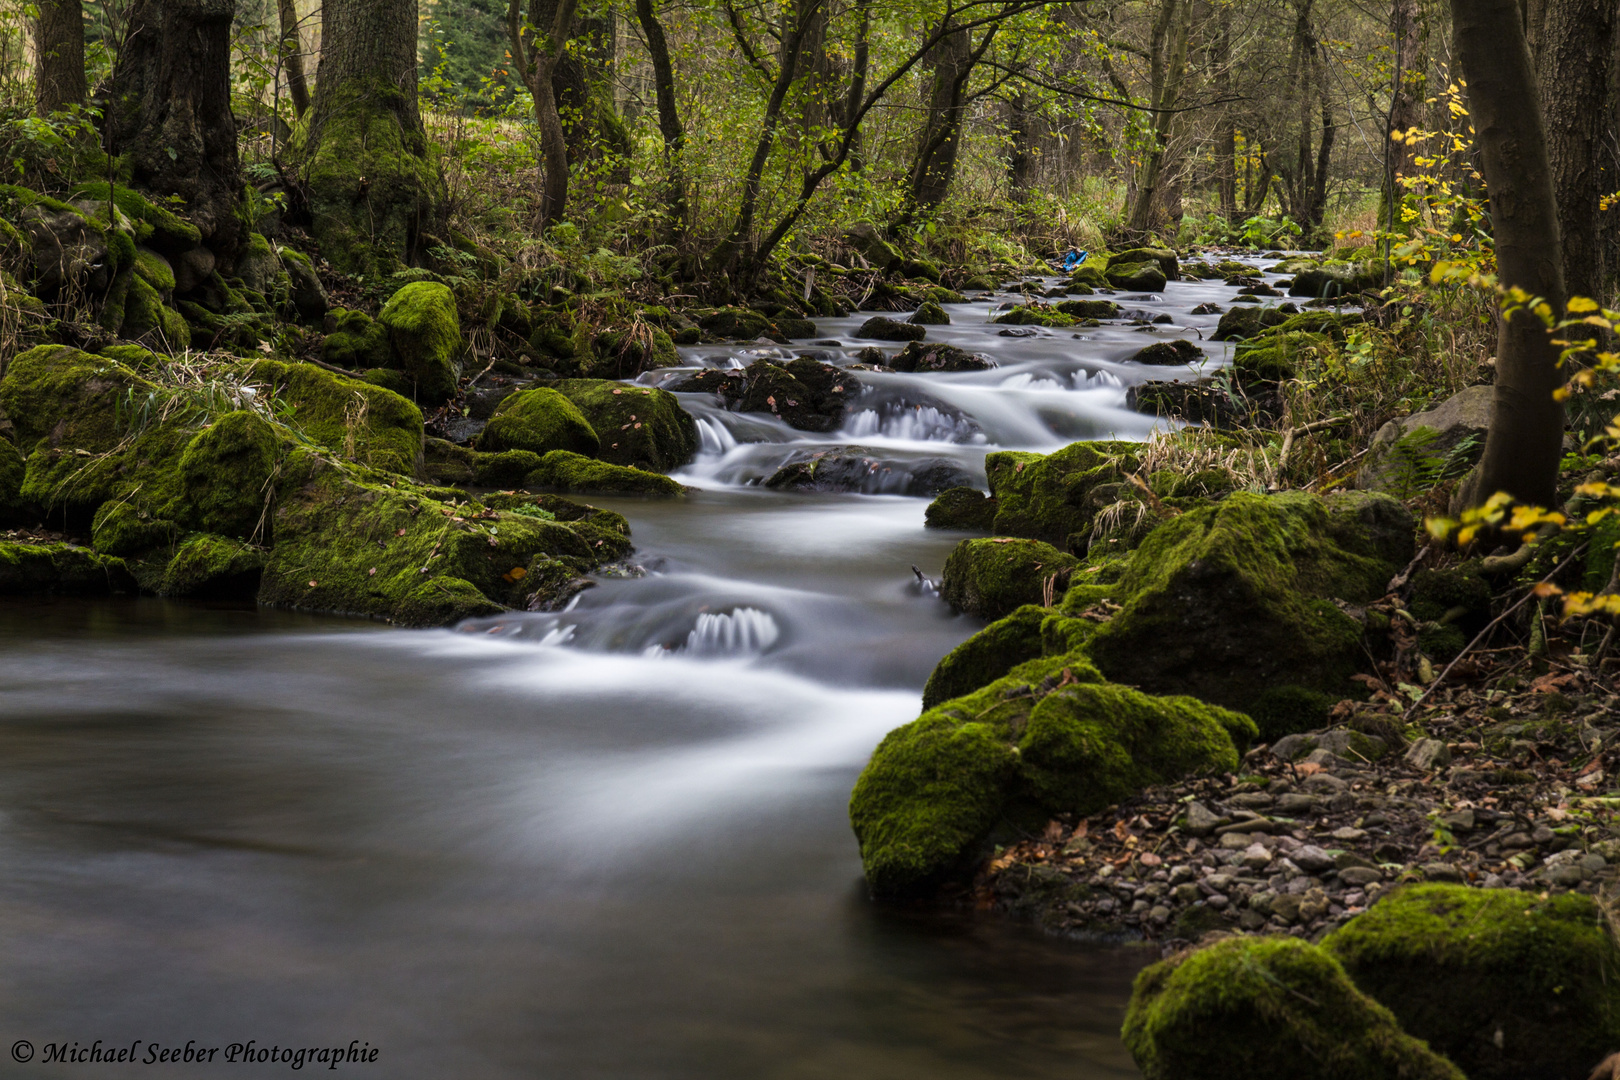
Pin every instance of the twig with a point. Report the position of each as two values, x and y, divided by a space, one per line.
1440 678
1305 429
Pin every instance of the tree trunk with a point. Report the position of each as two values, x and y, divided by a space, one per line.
1410 32
292 56
582 82
1168 70
1226 134
58 57
1527 431
374 193
169 111
1577 46
934 165
1021 162
537 62
669 117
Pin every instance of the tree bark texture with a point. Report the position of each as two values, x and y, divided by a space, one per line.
169 110
1167 72
537 49
58 57
1021 121
1577 47
1410 31
581 82
292 56
1526 434
934 165
374 194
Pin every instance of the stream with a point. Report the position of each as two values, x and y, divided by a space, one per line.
606 842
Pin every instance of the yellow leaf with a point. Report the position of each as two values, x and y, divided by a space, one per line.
1581 303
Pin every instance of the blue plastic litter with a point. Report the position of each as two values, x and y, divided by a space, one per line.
1073 259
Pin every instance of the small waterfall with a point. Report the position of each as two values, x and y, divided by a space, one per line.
913 423
741 632
714 437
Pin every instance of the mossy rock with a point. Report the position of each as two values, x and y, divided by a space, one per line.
158 227
882 328
1090 275
1163 258
636 425
961 508
14 509
1050 737
1136 276
1179 352
539 420
1056 497
147 318
215 568
987 655
1035 315
1089 309
154 269
738 324
43 569
1230 601
568 472
425 332
1274 358
356 341
935 356
506 469
120 529
226 473
991 578
1507 984
1267 1009
929 313
1246 322
346 544
368 424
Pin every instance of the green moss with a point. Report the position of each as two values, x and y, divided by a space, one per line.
1048 736
163 228
928 313
505 469
1089 309
1267 1009
1090 275
1231 600
1282 710
1163 258
991 578
738 324
1246 322
357 341
214 567
1090 745
1506 983
962 508
119 528
371 183
226 473
638 426
1136 276
1035 315
154 269
14 509
1056 497
1451 594
539 420
349 545
561 470
1272 358
371 425
148 318
36 569
425 332
134 357
987 655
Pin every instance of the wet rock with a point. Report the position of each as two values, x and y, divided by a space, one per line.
1163 258
961 508
29 569
1163 353
987 656
927 314
990 578
567 472
933 356
1246 322
636 426
1089 309
849 468
1204 401
1136 276
1208 309
885 329
806 394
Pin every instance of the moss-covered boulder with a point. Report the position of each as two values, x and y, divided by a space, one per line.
1163 258
1089 275
567 472
929 313
1507 984
739 324
1050 737
1275 357
1056 497
1236 601
987 656
215 568
120 528
637 426
1035 315
14 509
346 544
38 569
1267 1009
356 340
882 328
539 420
1246 322
991 578
1136 276
933 356
226 473
1167 354
425 333
1089 309
364 423
961 508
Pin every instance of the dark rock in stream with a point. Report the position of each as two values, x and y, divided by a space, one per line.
1167 353
933 356
884 329
851 468
803 393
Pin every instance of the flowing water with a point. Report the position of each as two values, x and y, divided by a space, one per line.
607 842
